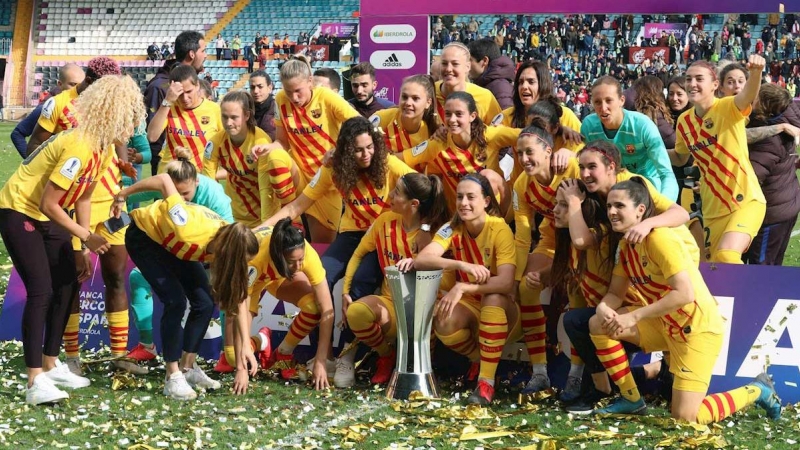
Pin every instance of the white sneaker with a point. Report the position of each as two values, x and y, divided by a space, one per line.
74 365
197 378
44 391
176 388
345 375
63 377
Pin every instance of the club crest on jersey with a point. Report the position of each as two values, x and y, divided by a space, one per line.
708 123
644 261
630 149
498 119
205 120
316 113
375 120
71 168
179 215
48 108
252 274
208 150
445 231
419 148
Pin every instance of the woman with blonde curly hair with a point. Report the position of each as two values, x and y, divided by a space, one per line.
60 175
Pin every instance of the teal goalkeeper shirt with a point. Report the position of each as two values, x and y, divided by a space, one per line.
209 194
642 149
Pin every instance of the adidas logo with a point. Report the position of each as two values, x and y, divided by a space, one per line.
392 61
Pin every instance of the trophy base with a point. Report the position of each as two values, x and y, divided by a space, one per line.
401 385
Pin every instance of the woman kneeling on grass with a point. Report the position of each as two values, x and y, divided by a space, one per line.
680 317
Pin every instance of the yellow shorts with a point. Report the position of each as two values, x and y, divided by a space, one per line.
271 287
328 209
100 213
473 304
691 362
747 219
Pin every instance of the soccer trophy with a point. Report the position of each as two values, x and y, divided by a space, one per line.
414 294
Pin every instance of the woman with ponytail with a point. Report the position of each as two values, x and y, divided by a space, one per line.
417 204
169 241
480 300
414 120
679 315
289 268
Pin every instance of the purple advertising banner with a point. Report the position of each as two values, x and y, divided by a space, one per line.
655 29
497 7
338 29
397 47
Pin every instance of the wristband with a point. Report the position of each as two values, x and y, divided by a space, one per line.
425 227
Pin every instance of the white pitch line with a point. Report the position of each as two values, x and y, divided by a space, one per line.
795 233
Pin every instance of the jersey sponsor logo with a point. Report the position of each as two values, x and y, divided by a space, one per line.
375 120
48 108
179 215
419 148
702 145
315 180
186 133
515 201
252 275
445 231
71 168
208 150
498 119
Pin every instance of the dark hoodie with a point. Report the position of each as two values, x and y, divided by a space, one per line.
499 79
265 116
773 160
154 94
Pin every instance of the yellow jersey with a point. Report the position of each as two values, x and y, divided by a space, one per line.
454 162
183 228
312 130
64 160
396 137
649 266
242 182
492 248
568 119
593 281
261 270
190 128
488 109
365 202
392 242
529 197
718 143
58 112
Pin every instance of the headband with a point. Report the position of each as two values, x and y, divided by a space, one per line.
474 179
599 150
522 135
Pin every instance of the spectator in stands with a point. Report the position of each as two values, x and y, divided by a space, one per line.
236 45
166 50
153 53
288 45
69 76
190 49
249 56
261 87
303 39
354 46
774 160
329 78
491 70
362 80
220 46
277 45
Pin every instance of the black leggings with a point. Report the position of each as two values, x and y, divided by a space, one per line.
173 280
42 254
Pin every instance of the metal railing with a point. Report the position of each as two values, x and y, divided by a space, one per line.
5 46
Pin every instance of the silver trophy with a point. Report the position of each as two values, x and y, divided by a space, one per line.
414 294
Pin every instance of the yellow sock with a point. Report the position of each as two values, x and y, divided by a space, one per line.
611 353
727 257
302 325
534 323
461 342
230 354
118 331
364 324
716 407
71 347
493 334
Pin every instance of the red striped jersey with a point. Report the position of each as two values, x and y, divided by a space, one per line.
488 109
313 129
492 248
58 112
262 270
183 228
365 202
390 239
190 128
454 162
64 160
242 182
595 278
718 143
651 264
396 137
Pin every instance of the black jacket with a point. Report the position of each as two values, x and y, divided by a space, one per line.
499 79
